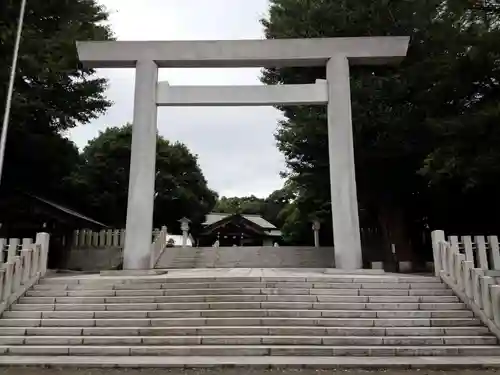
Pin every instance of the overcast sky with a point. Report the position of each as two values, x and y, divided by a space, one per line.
236 148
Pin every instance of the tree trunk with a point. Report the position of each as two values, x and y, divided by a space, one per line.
395 232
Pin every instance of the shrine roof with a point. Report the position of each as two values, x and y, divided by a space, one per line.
258 220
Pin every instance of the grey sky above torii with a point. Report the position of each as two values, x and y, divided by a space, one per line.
209 132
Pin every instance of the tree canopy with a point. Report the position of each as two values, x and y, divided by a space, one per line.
424 132
103 177
52 94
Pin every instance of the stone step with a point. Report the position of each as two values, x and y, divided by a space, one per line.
248 340
218 285
236 313
85 306
232 280
226 285
270 321
238 291
164 316
256 350
97 290
241 298
246 331
405 294
442 363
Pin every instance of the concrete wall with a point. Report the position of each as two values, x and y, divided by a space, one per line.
267 242
247 257
93 259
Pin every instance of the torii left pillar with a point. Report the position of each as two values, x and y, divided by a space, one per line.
142 168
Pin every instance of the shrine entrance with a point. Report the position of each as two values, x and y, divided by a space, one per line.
336 54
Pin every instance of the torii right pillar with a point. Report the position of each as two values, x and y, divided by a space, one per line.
347 239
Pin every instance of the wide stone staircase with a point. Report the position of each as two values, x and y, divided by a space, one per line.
325 315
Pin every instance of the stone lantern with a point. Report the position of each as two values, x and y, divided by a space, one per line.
316 227
185 230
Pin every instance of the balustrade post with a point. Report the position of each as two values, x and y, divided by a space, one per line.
481 252
459 259
469 253
43 239
495 251
82 237
26 243
116 240
75 238
437 236
35 260
451 261
109 238
477 273
12 250
17 275
444 257
164 237
88 238
2 251
102 238
7 284
26 260
2 282
495 301
122 237
486 283
468 265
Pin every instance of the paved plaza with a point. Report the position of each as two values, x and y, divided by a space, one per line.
235 371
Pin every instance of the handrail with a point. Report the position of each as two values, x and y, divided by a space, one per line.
470 283
158 246
25 264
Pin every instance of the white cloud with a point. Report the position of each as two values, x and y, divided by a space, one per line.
236 146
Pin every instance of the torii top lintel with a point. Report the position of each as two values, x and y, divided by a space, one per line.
243 53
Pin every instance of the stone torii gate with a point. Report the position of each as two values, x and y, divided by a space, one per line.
334 53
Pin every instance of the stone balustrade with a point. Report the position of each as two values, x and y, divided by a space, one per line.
22 264
158 246
108 238
470 265
86 238
103 250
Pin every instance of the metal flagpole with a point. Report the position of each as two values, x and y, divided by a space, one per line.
10 90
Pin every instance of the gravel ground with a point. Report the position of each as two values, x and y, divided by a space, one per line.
232 371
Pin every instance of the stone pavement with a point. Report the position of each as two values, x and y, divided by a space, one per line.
243 272
197 273
234 371
259 364
271 272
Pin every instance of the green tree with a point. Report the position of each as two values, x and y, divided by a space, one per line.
180 185
399 114
276 205
240 205
270 208
53 93
464 165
